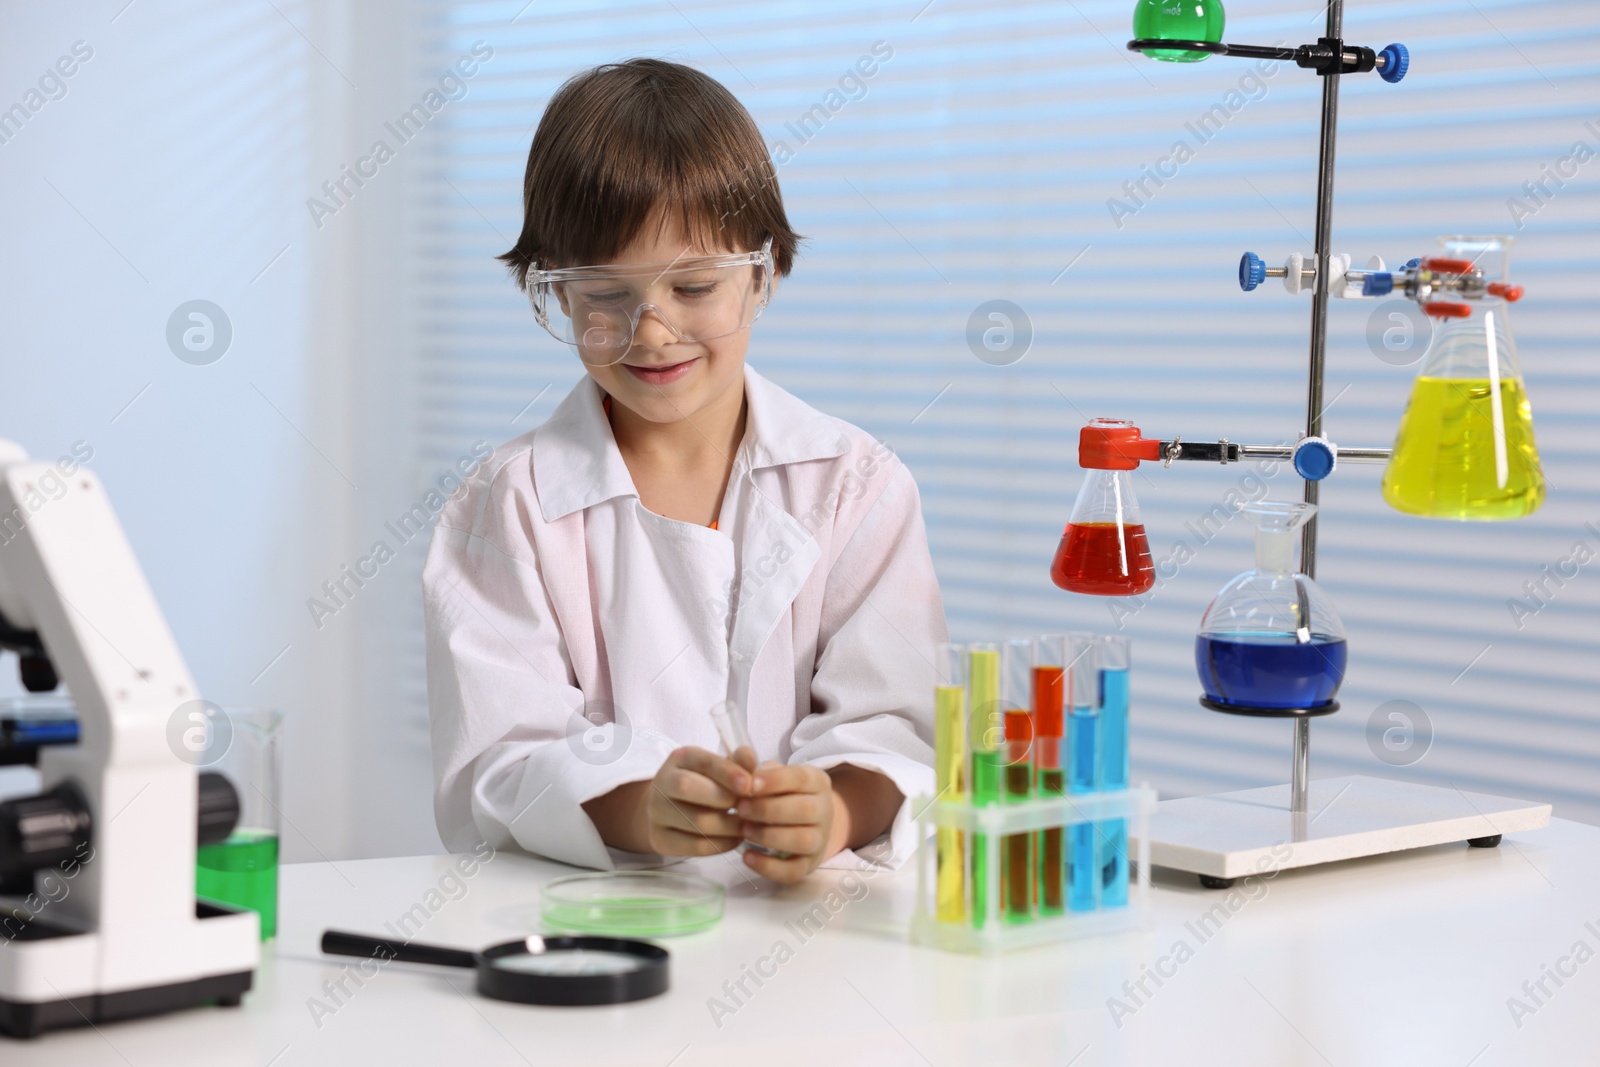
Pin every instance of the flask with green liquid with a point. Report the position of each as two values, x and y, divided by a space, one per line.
1178 20
1465 447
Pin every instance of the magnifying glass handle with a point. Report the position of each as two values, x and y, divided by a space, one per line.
341 943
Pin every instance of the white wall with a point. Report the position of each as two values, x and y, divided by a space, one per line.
176 167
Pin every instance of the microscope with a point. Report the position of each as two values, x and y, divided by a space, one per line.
114 930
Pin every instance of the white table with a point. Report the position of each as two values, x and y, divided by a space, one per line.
1406 959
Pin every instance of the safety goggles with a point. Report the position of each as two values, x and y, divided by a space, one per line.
699 298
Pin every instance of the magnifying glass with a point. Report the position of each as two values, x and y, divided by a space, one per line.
560 971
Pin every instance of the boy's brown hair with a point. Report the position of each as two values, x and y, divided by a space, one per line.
623 140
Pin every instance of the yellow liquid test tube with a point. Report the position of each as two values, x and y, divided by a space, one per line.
950 755
984 733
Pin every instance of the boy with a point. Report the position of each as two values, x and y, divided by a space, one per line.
681 532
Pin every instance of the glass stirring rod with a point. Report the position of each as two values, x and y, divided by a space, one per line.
729 722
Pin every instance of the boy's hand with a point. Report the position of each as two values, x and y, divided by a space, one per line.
685 811
687 803
791 809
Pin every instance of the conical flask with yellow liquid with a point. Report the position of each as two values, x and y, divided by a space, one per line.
1465 447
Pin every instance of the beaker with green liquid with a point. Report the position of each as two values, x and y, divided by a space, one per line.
1465 447
1178 20
243 870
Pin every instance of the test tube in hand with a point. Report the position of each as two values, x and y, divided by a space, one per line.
729 721
731 729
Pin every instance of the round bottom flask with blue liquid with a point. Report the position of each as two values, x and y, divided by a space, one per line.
1271 644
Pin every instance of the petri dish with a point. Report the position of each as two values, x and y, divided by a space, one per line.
631 904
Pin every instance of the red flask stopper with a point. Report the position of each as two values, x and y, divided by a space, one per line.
1114 447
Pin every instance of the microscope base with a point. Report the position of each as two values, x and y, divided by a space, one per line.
53 976
18 1019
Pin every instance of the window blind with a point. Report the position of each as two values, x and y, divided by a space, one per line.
985 159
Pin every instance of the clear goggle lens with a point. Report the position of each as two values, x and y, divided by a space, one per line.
698 298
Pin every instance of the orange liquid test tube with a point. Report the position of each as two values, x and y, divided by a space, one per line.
1017 866
1049 719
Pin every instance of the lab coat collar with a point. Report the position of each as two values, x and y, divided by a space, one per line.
576 463
575 459
781 428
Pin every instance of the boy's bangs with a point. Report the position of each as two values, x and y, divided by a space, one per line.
647 176
642 148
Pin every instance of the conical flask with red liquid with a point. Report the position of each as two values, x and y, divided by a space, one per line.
1103 549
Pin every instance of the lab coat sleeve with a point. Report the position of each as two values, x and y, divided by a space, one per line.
514 757
871 692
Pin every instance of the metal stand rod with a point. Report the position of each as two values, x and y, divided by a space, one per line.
1319 348
1300 779
1225 451
1366 455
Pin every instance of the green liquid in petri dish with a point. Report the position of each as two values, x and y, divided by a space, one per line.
631 904
1178 20
632 916
242 871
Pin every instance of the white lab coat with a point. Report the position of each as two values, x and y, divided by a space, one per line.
576 638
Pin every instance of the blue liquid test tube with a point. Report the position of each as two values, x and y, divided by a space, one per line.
1083 768
1114 661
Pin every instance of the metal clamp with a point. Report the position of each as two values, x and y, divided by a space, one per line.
1329 55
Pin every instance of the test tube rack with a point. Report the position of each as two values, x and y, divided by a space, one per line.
995 822
1253 831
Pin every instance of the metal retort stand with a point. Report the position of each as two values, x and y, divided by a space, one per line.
1255 831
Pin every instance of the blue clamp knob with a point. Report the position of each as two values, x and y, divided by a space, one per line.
1252 272
1396 61
1377 283
1315 458
1412 264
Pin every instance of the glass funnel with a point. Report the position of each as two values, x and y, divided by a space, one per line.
1465 447
1103 550
1178 20
1271 641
